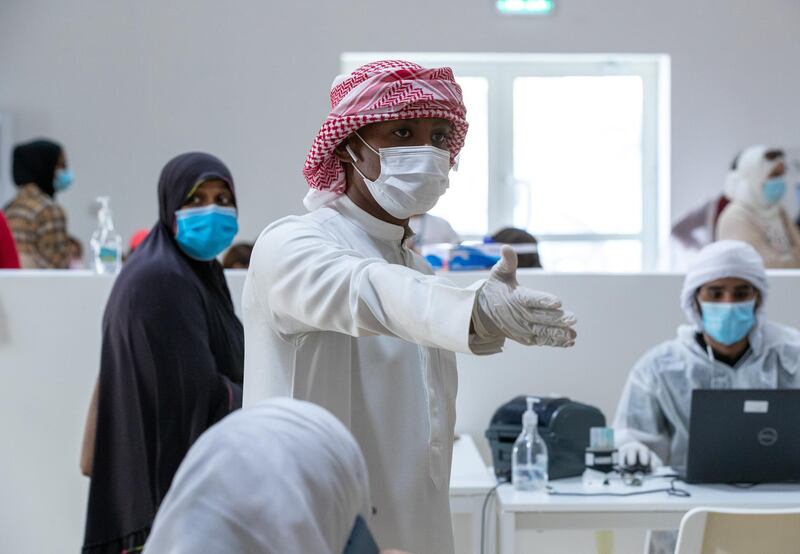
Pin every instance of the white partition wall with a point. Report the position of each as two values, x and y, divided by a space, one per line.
49 353
6 181
619 317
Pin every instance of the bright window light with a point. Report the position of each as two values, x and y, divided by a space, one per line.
465 205
578 154
529 7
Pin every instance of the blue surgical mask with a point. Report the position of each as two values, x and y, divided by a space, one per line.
62 180
728 323
773 190
203 233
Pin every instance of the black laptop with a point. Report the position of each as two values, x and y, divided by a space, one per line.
744 436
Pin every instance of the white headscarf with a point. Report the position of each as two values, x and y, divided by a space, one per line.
718 260
745 183
283 476
316 198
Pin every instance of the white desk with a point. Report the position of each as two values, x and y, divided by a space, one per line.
470 482
540 511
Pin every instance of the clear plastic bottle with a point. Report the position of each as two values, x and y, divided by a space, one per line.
529 458
106 242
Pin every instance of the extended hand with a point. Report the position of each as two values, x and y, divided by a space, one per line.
505 309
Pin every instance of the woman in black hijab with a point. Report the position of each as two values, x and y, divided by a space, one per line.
172 355
38 223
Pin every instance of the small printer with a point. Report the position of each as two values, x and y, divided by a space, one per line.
563 424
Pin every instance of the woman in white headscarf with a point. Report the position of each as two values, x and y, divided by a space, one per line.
281 477
755 215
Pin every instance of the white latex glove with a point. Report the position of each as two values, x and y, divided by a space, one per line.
635 452
505 309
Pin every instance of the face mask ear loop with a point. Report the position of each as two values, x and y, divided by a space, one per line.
709 350
366 144
697 308
352 154
355 159
710 353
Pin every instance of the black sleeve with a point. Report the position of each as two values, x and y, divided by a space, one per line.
191 393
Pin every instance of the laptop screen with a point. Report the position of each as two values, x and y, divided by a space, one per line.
744 436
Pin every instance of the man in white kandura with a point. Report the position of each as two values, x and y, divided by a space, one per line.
337 311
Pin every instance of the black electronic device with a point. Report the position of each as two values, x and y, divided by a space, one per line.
563 424
744 436
361 540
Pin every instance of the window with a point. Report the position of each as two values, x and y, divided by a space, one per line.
466 204
573 148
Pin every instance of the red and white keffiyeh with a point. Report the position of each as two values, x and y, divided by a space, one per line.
386 90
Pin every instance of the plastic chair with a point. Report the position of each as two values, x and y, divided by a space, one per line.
712 531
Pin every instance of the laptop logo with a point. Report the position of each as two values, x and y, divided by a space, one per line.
756 406
768 436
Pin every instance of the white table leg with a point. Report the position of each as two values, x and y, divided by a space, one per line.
507 524
477 505
604 541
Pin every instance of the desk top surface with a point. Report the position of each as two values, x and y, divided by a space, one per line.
469 475
720 496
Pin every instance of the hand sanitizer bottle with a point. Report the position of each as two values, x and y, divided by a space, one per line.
529 458
106 243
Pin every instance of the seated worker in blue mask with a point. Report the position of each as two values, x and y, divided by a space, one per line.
729 344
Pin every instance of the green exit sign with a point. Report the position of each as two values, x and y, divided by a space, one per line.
525 7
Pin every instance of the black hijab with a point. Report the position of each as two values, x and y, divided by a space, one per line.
35 162
171 366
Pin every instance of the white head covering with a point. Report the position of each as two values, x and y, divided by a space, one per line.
283 476
718 260
316 198
745 183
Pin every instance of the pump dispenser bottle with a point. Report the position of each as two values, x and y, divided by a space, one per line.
529 458
106 242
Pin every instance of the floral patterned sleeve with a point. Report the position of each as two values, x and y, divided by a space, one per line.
52 242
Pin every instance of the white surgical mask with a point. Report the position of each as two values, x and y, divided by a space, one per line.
412 178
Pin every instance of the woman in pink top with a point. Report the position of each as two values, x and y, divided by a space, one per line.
9 259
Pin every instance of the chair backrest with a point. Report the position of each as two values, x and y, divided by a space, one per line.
722 531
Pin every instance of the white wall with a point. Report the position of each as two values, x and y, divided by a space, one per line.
126 85
50 349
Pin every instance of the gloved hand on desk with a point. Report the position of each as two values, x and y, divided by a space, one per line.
635 454
504 309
